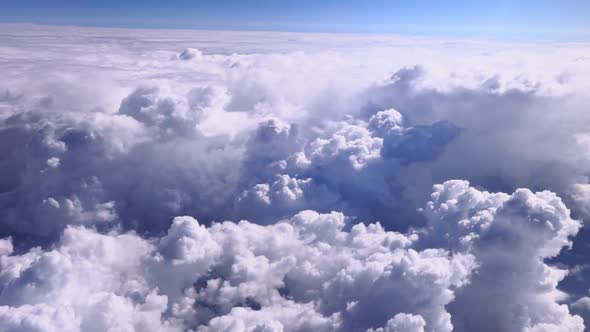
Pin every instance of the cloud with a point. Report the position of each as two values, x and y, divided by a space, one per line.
404 322
88 282
581 304
307 272
510 236
190 53
108 159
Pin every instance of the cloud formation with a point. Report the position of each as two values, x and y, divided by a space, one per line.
306 273
108 160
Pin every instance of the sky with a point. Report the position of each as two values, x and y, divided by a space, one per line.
170 180
520 19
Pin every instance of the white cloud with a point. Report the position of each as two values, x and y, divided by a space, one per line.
306 272
404 322
510 236
582 304
190 53
245 126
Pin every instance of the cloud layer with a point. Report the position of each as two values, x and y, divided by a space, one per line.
108 159
306 273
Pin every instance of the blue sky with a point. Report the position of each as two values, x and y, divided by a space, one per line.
552 19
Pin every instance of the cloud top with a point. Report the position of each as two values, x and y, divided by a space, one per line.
340 183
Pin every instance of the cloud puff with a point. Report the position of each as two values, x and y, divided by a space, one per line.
88 282
510 236
190 53
404 322
582 304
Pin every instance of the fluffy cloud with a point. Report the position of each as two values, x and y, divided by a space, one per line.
306 272
88 282
582 304
510 236
100 154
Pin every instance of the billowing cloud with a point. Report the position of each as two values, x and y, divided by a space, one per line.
510 236
307 272
108 159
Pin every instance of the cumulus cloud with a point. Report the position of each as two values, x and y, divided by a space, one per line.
108 160
307 272
510 236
